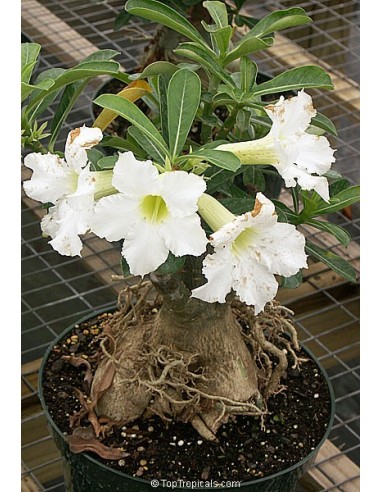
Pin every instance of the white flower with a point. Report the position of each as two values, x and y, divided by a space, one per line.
154 214
298 156
64 223
54 177
249 251
70 186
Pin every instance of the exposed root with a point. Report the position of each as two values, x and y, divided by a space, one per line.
263 330
155 372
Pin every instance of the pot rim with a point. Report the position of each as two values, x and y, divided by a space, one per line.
86 456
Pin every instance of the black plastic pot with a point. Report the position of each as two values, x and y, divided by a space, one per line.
84 473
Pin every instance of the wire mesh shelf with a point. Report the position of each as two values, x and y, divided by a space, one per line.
57 291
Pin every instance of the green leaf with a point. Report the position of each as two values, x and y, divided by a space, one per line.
29 56
341 200
278 20
310 201
67 101
334 175
134 146
292 282
338 232
162 14
53 74
285 214
243 119
101 55
220 37
27 89
245 47
207 59
158 68
223 99
125 267
248 70
117 143
162 89
333 261
248 21
94 155
121 20
218 13
136 117
171 265
295 78
26 72
107 162
145 143
324 123
337 187
231 190
92 69
80 72
183 99
218 177
72 92
220 158
220 32
238 206
253 179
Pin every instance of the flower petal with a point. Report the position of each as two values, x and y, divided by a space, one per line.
315 154
135 178
114 215
281 250
307 181
77 142
181 192
218 269
229 232
291 116
64 224
253 283
85 187
52 177
144 248
184 236
262 217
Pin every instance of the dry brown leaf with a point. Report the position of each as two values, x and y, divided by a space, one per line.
79 444
87 409
103 383
77 362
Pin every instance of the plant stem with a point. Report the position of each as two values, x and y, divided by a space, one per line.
228 124
37 147
206 130
295 198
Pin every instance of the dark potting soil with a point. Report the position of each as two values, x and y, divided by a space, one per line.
296 423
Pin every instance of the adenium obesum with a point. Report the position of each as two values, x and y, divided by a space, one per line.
299 157
155 212
248 251
70 186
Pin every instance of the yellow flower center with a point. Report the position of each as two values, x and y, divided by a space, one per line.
154 208
243 240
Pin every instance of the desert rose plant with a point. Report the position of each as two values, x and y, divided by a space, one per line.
184 192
